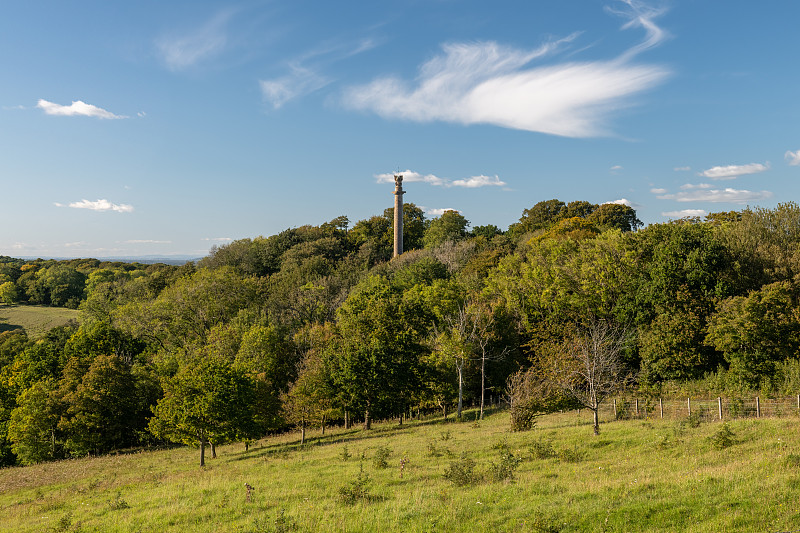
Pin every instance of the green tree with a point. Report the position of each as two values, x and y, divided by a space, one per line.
9 293
619 216
33 425
757 331
209 402
102 410
451 226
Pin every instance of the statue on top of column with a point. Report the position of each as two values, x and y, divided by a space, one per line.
398 180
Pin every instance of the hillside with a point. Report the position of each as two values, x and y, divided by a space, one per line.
655 475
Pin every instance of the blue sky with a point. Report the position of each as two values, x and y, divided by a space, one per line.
159 128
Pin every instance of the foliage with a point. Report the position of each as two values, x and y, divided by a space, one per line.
724 437
461 472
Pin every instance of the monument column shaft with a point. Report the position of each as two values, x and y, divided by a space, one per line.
398 220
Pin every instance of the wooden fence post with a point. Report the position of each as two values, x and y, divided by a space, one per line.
689 405
758 407
661 406
637 406
719 402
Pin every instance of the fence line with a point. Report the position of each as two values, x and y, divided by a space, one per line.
707 409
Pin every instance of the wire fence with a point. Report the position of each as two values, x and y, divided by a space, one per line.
706 409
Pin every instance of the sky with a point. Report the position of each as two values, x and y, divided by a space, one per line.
165 128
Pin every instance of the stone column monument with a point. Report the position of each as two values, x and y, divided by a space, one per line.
398 214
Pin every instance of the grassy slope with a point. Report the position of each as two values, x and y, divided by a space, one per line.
37 320
637 476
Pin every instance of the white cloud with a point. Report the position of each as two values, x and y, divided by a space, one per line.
658 191
792 157
682 169
621 201
146 241
77 108
472 182
217 239
704 194
487 83
685 213
692 186
437 212
99 205
478 181
731 172
300 82
182 51
615 168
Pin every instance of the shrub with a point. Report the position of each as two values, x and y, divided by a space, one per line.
345 453
461 472
358 489
504 468
542 449
724 437
381 459
571 455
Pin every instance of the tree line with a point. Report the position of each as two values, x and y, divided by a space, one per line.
317 325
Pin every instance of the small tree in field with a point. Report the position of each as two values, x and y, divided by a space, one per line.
209 402
588 365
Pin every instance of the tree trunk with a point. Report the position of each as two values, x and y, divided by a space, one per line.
302 432
401 419
323 424
596 422
460 390
202 452
346 419
213 450
483 382
367 419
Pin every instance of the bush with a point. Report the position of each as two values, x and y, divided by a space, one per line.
724 437
571 455
504 468
542 449
381 459
461 472
358 489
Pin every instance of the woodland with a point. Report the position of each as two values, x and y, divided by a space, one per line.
319 325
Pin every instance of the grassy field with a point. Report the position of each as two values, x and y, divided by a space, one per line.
636 476
36 320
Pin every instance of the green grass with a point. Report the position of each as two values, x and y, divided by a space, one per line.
35 319
636 476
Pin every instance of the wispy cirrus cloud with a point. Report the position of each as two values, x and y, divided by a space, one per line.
473 182
704 192
146 241
99 205
76 109
305 72
682 169
488 83
731 172
179 51
299 82
793 158
217 239
685 213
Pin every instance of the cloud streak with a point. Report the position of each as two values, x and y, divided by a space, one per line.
76 109
684 213
99 205
179 52
473 182
731 172
487 83
704 193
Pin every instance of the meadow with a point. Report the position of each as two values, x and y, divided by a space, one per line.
432 475
35 319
